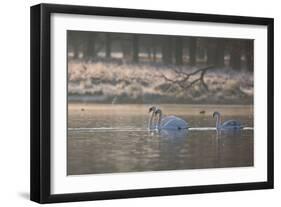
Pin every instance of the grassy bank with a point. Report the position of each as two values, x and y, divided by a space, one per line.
144 83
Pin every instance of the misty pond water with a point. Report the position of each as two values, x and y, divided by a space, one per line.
104 138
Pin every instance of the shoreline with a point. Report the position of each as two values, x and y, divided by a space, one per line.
168 100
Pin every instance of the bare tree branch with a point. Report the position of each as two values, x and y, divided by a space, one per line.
182 78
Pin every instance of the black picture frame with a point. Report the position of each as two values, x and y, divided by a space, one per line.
41 102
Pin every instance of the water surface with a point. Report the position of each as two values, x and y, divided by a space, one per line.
104 138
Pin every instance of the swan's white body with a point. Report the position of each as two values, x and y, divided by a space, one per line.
227 125
170 122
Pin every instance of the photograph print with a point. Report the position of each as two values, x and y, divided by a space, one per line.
149 102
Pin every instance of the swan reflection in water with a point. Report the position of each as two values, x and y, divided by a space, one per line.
170 134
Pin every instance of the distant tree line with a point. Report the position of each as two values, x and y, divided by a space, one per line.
166 49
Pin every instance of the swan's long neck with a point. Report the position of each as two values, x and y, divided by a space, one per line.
159 119
150 120
218 123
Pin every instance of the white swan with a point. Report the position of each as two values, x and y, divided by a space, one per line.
170 122
151 122
227 125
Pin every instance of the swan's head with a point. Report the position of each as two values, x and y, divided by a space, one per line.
152 109
216 114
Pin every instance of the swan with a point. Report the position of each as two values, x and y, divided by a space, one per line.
170 122
227 125
152 111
